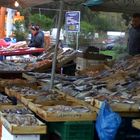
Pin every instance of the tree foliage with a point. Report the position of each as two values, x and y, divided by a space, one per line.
101 21
127 18
44 22
19 30
86 27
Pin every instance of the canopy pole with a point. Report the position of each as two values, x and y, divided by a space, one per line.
57 43
77 41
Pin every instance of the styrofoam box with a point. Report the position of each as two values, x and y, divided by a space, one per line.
6 135
82 63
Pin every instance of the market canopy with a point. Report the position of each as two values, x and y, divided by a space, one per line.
28 3
23 3
124 6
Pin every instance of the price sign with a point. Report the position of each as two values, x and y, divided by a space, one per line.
72 19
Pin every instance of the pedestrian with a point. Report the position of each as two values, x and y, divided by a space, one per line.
37 37
134 35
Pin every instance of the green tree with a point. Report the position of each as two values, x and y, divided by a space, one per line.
44 22
101 23
19 30
26 13
87 27
127 18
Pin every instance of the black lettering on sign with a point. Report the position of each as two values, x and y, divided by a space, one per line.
73 115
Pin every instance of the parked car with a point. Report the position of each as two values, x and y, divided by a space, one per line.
110 46
111 42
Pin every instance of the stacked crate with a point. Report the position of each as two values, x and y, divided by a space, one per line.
6 135
83 130
90 57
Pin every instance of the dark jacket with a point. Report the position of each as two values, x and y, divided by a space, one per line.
134 41
37 40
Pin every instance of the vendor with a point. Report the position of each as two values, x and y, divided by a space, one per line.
134 35
37 37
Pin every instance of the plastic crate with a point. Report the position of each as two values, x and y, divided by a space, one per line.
6 135
72 130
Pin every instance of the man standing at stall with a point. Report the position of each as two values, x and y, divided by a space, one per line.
134 35
37 37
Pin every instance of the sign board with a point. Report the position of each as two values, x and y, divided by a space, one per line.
72 20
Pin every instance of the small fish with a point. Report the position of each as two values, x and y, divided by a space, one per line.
128 101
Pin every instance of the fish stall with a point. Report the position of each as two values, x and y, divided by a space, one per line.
117 83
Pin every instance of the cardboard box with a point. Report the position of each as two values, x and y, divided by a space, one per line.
83 63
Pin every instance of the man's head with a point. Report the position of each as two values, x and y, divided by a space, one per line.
136 20
34 29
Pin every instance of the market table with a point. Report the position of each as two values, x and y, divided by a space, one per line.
10 74
21 51
39 104
124 109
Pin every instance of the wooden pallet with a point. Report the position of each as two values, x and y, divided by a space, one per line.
25 101
15 129
5 107
96 103
29 77
42 67
18 95
118 107
136 123
33 106
63 99
65 116
8 82
40 110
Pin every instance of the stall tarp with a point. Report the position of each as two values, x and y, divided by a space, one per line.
29 3
122 6
93 2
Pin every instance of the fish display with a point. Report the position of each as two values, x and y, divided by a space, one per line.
19 115
16 110
11 66
38 64
4 99
70 109
21 120
118 84
25 90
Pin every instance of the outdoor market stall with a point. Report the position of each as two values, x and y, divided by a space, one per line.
30 3
112 84
52 106
23 51
118 84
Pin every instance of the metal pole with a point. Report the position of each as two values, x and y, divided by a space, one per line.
77 41
56 45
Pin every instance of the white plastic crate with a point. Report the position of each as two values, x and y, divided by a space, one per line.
82 63
6 135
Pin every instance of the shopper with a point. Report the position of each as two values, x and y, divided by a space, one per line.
134 35
37 37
